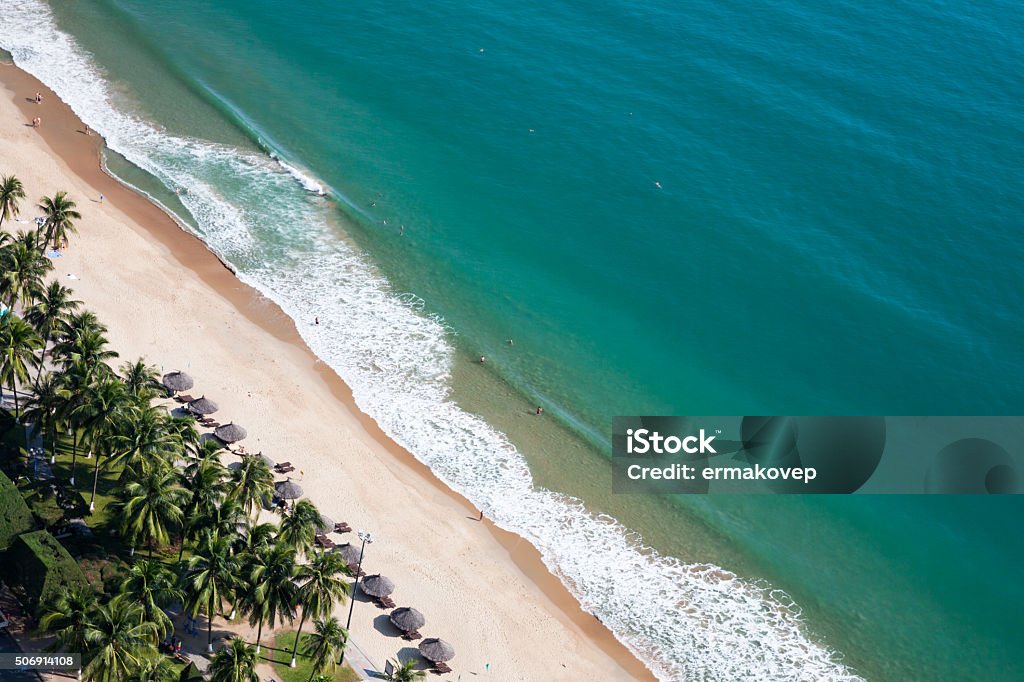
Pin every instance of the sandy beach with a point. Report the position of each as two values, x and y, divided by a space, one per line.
165 297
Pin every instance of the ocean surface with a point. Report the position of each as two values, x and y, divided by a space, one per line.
713 207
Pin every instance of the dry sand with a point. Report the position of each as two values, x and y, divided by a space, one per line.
167 298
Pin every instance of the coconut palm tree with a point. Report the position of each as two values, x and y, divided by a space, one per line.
298 529
256 538
210 578
118 640
143 440
18 346
251 483
405 672
203 481
101 414
270 594
227 519
324 645
43 408
60 216
151 507
156 668
142 380
73 382
86 347
53 307
69 618
24 269
322 586
234 663
11 194
154 587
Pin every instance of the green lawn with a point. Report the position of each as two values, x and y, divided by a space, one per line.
280 656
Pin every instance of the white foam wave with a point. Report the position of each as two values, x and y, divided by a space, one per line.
687 621
307 181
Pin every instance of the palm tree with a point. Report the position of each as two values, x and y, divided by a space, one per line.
270 594
54 307
86 347
299 527
69 617
252 482
24 269
18 346
152 506
210 578
11 193
154 587
324 645
73 382
143 440
405 672
156 668
226 519
119 639
234 663
100 414
43 408
203 481
323 586
60 216
142 380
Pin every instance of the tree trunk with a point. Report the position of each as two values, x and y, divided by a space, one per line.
209 628
259 635
74 456
298 636
95 482
14 390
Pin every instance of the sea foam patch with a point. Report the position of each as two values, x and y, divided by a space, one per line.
685 620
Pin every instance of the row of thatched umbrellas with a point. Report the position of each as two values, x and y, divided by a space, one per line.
406 619
228 433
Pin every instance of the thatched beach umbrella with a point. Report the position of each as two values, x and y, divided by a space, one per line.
437 650
230 433
177 381
408 619
202 405
349 552
326 524
377 586
289 490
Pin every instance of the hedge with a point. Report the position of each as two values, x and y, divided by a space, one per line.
15 517
43 567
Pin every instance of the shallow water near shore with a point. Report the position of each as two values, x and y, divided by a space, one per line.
622 298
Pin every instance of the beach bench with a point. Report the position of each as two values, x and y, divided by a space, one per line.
412 636
342 527
442 668
324 541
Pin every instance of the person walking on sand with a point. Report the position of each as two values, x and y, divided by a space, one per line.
481 515
101 198
36 122
38 98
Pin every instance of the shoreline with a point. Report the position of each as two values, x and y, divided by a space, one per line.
61 133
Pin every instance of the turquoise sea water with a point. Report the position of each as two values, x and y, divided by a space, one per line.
700 208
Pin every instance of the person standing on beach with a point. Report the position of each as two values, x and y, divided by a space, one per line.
481 515
38 98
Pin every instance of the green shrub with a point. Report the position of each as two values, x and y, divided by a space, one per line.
15 517
43 567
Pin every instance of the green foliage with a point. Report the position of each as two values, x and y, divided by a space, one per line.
15 517
43 567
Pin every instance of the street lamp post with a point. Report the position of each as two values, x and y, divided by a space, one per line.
367 538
